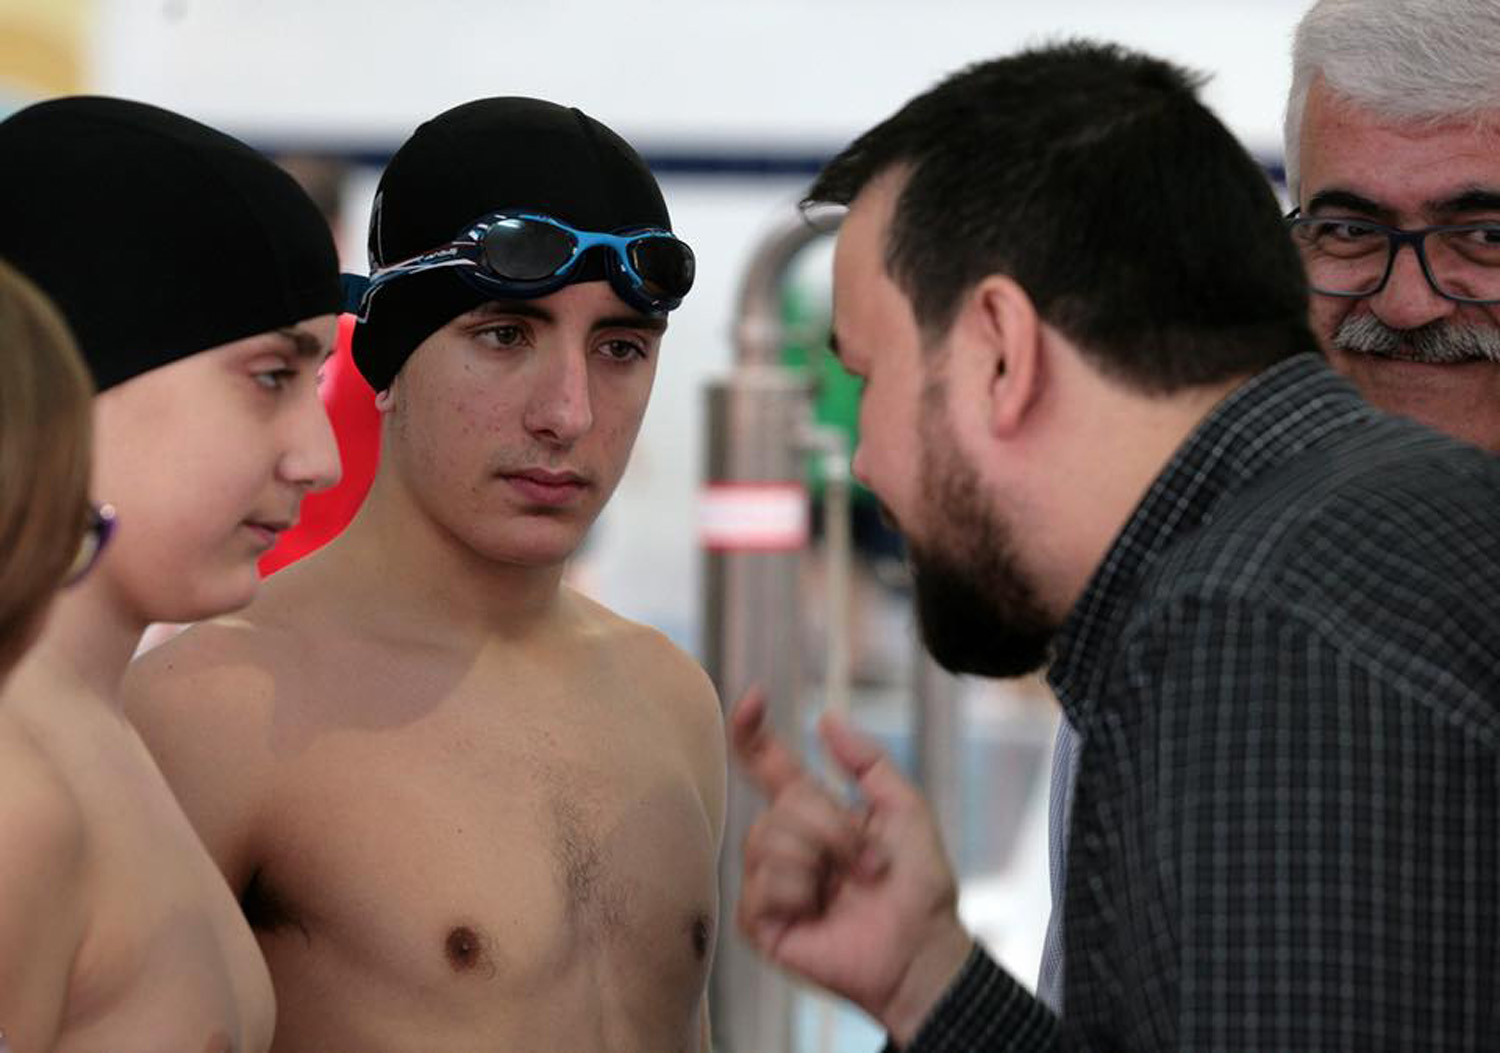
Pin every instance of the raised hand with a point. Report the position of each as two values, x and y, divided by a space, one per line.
859 900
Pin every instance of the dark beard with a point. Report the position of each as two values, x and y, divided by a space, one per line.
978 612
971 628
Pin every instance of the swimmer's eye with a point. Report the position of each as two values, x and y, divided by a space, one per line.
622 350
503 336
275 379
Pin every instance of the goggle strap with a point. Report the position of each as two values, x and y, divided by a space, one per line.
375 281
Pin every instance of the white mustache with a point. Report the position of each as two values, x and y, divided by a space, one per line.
1438 343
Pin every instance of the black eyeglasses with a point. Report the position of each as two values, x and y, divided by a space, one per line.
99 527
1355 257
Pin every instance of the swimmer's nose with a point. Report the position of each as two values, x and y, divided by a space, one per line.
559 410
311 457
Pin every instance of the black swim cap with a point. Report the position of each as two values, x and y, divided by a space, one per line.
481 157
157 236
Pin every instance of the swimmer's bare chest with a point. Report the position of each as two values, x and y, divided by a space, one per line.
511 865
163 926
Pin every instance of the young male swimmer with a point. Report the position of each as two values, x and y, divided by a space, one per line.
466 808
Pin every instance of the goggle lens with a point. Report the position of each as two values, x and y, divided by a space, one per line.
665 265
523 250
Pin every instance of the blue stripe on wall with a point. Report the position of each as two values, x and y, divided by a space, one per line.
752 163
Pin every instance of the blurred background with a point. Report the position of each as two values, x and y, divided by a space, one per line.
735 103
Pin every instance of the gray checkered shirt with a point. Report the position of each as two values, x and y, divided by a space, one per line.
1285 830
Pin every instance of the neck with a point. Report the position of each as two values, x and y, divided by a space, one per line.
88 641
415 568
1145 432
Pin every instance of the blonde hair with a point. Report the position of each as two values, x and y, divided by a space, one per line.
46 400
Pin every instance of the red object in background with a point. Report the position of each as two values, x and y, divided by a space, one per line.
350 402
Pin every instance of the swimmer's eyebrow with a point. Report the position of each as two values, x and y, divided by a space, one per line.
649 323
518 308
529 309
307 345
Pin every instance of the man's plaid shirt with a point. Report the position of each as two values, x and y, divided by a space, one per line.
1286 677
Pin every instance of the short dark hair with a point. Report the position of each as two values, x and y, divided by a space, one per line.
1094 177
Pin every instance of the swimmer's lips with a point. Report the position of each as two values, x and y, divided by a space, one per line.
267 532
551 489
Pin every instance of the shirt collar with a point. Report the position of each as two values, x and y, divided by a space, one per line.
1261 424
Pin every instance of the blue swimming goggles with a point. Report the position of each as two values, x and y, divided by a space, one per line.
522 255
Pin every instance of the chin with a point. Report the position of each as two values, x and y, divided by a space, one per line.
225 592
966 636
978 613
530 548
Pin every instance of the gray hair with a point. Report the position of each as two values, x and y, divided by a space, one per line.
1406 60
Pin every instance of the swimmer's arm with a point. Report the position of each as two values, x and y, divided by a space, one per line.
702 726
707 750
41 916
713 777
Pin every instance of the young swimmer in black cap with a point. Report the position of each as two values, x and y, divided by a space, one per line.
467 808
201 284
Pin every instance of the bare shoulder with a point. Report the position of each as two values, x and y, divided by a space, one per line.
40 816
43 868
209 672
671 679
221 668
647 656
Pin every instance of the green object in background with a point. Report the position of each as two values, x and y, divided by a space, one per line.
805 315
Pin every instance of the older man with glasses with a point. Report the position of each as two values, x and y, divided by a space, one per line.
1395 147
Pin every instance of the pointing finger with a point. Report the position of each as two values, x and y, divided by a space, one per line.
770 763
864 761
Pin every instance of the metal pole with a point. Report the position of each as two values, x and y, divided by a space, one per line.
755 637
838 674
758 424
759 330
832 449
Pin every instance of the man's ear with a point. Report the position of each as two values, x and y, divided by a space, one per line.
1000 323
385 398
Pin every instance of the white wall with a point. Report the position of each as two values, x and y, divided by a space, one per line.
659 71
696 76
